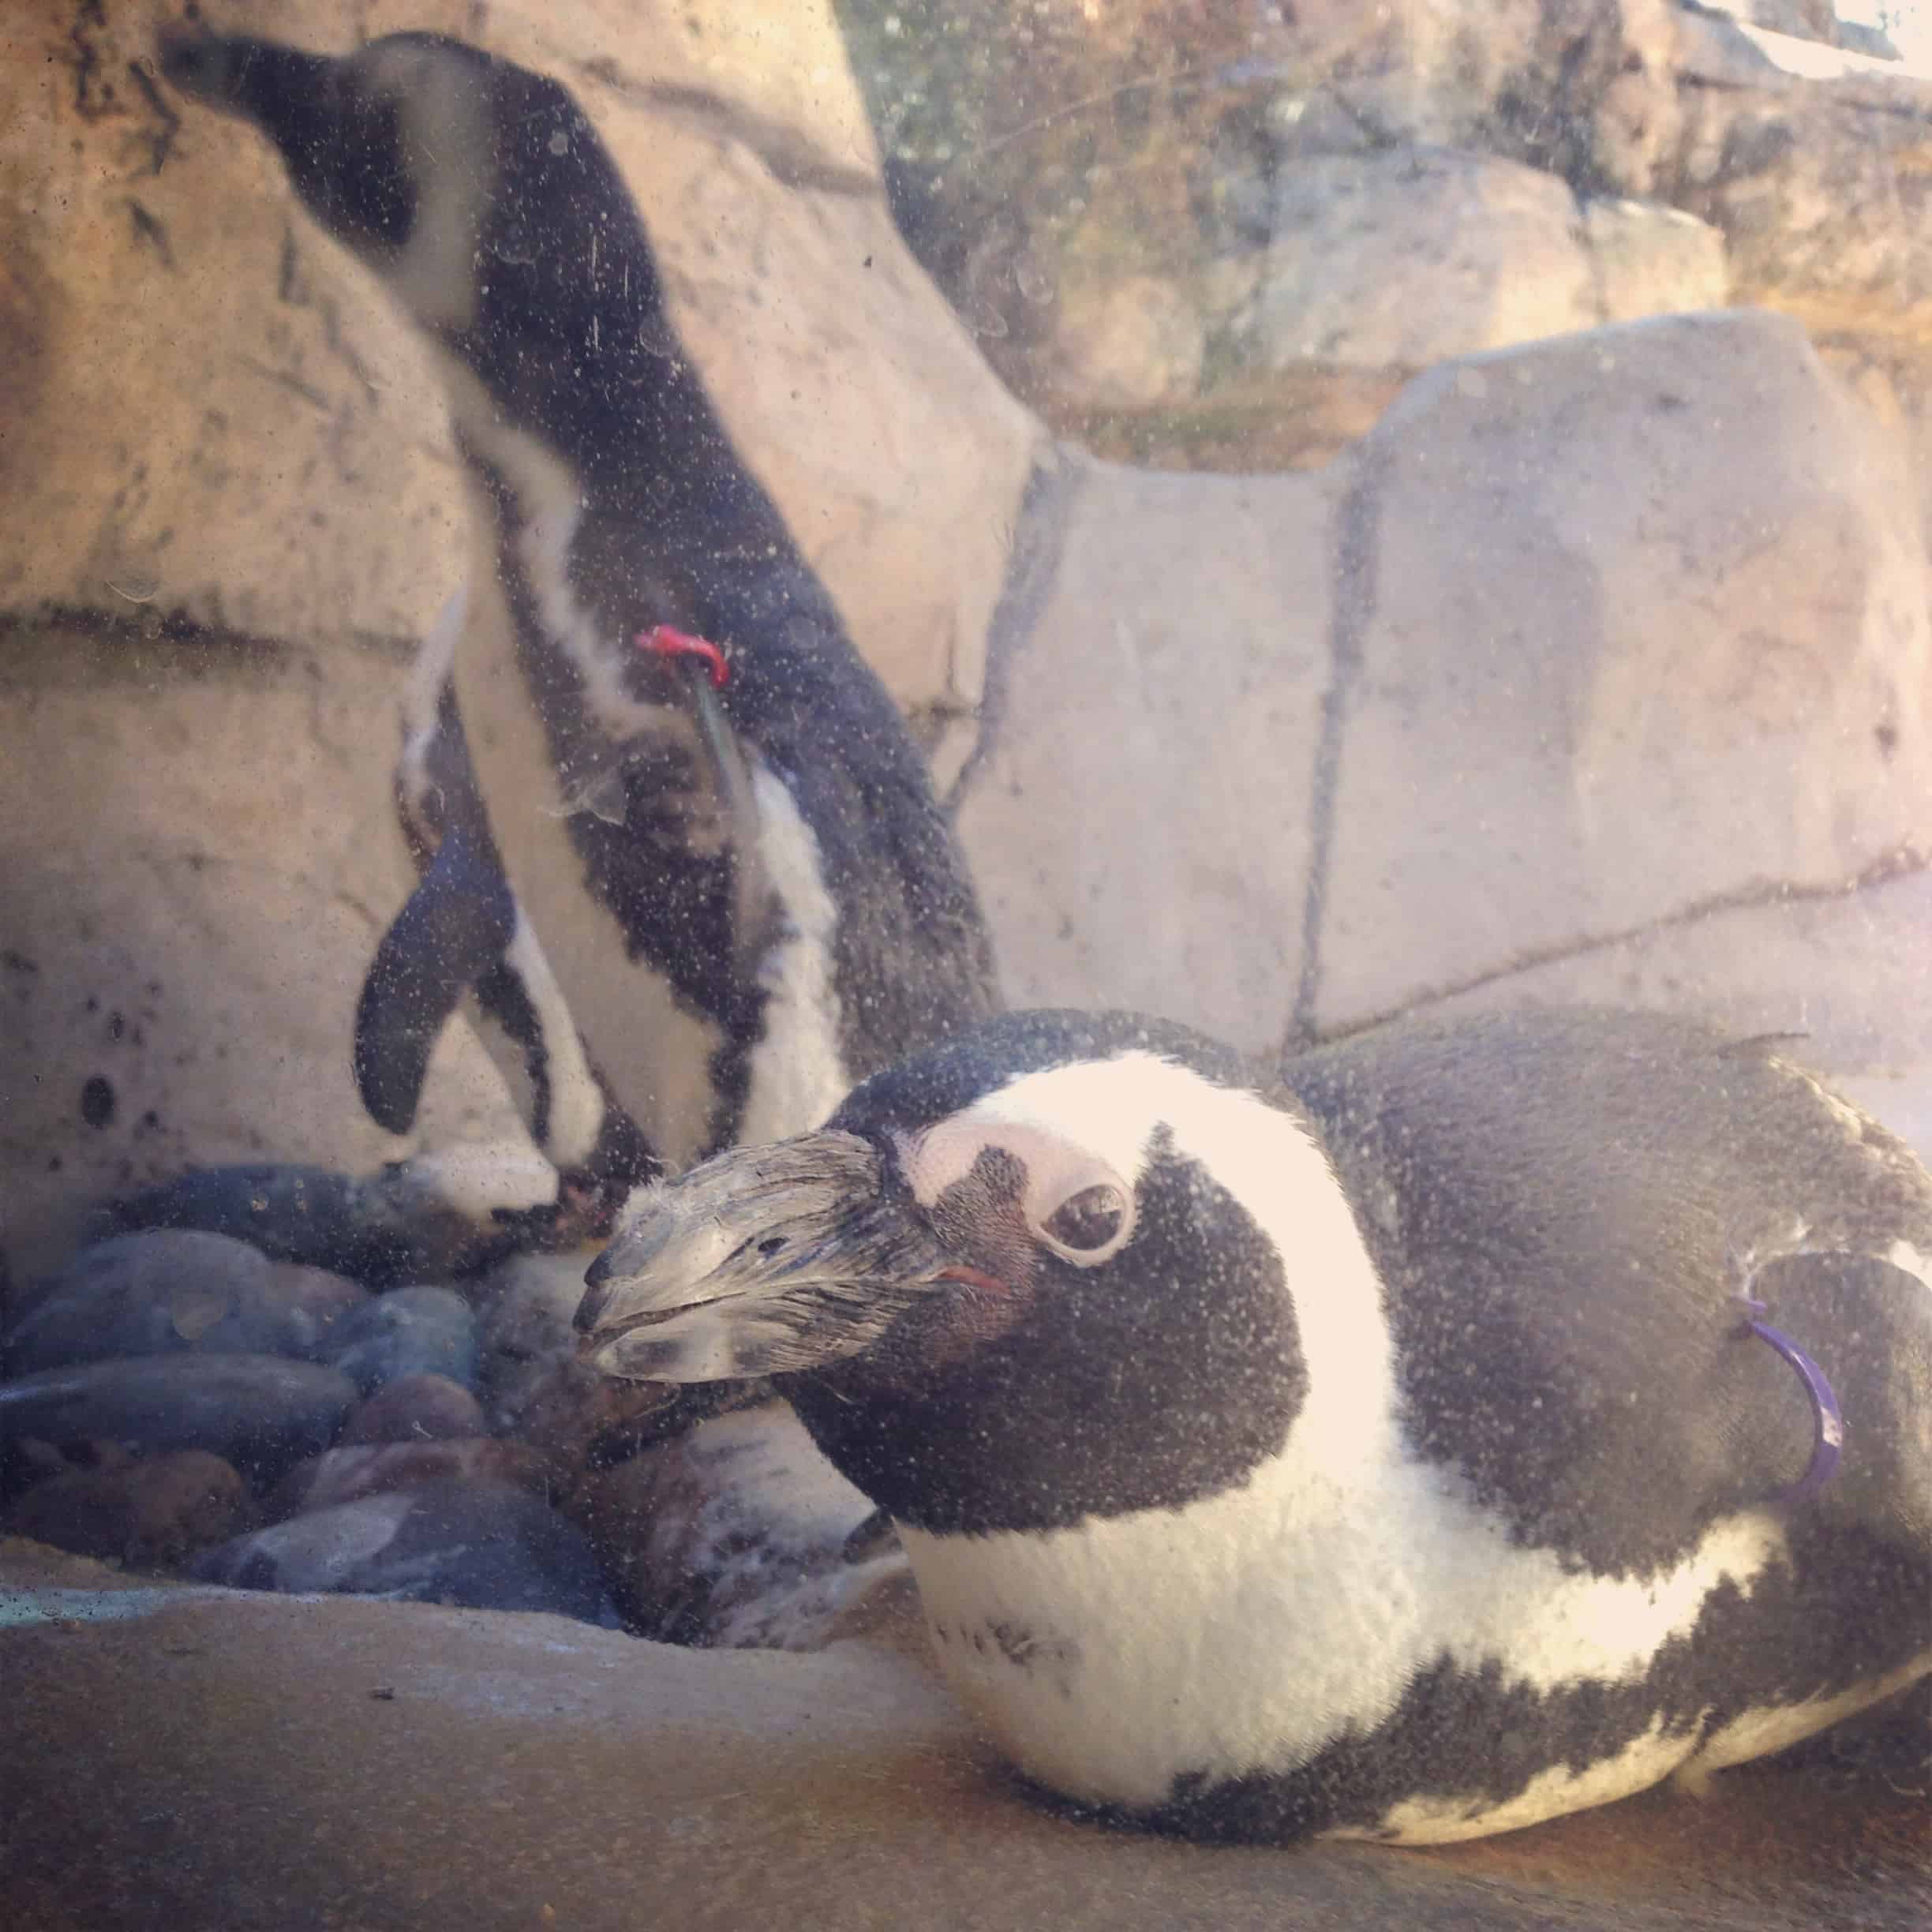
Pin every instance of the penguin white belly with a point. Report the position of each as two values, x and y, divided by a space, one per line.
1237 1637
797 1073
654 1052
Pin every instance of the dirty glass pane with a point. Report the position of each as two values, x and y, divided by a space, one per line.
938 938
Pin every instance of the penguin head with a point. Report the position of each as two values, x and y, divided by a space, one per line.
1037 1273
478 192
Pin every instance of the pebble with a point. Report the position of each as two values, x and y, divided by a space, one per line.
262 1413
149 1513
477 1544
346 1473
408 1332
316 1300
416 1408
375 1228
526 1309
171 1291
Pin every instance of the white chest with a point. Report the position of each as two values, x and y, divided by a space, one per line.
1243 1633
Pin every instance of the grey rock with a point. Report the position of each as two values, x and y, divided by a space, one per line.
346 1473
383 1229
166 1290
262 1413
1818 186
525 1312
1847 972
1806 20
317 1298
415 1408
152 1512
408 1332
1874 43
1411 256
480 1544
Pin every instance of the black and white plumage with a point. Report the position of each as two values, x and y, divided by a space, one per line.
1375 1451
683 915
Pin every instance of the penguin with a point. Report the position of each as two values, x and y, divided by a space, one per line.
678 852
1460 1425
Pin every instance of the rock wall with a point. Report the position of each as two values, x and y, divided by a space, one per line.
1589 647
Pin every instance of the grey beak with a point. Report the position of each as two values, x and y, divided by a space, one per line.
760 1261
258 80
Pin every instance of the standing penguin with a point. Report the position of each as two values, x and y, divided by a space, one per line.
674 840
1439 1438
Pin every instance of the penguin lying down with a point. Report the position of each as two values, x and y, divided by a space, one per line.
1434 1438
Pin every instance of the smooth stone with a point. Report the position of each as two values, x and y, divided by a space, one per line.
152 1513
478 1545
262 1413
185 1759
345 1474
382 1229
317 1298
525 1309
408 1332
165 1291
413 1408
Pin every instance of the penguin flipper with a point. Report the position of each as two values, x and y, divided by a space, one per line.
1869 1323
453 929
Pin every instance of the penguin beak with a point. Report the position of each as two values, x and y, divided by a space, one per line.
339 138
256 80
760 1261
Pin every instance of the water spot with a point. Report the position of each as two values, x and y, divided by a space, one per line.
97 1101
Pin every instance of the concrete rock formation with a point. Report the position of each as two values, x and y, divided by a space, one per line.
299 1763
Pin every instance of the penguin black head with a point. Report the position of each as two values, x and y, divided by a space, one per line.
478 191
1031 1276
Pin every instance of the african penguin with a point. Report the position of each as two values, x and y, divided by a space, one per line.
692 902
1382 1450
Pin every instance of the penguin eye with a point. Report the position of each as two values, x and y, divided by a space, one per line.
1088 1222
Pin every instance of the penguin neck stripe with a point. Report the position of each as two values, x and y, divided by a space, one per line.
1827 1417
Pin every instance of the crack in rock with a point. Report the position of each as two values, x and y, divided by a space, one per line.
1356 556
1032 567
1902 863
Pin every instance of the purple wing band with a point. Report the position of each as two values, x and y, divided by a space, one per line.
1827 1418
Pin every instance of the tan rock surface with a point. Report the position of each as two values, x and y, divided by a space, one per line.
1415 255
268 451
198 853
1633 653
1640 623
189 1757
1138 821
1650 260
